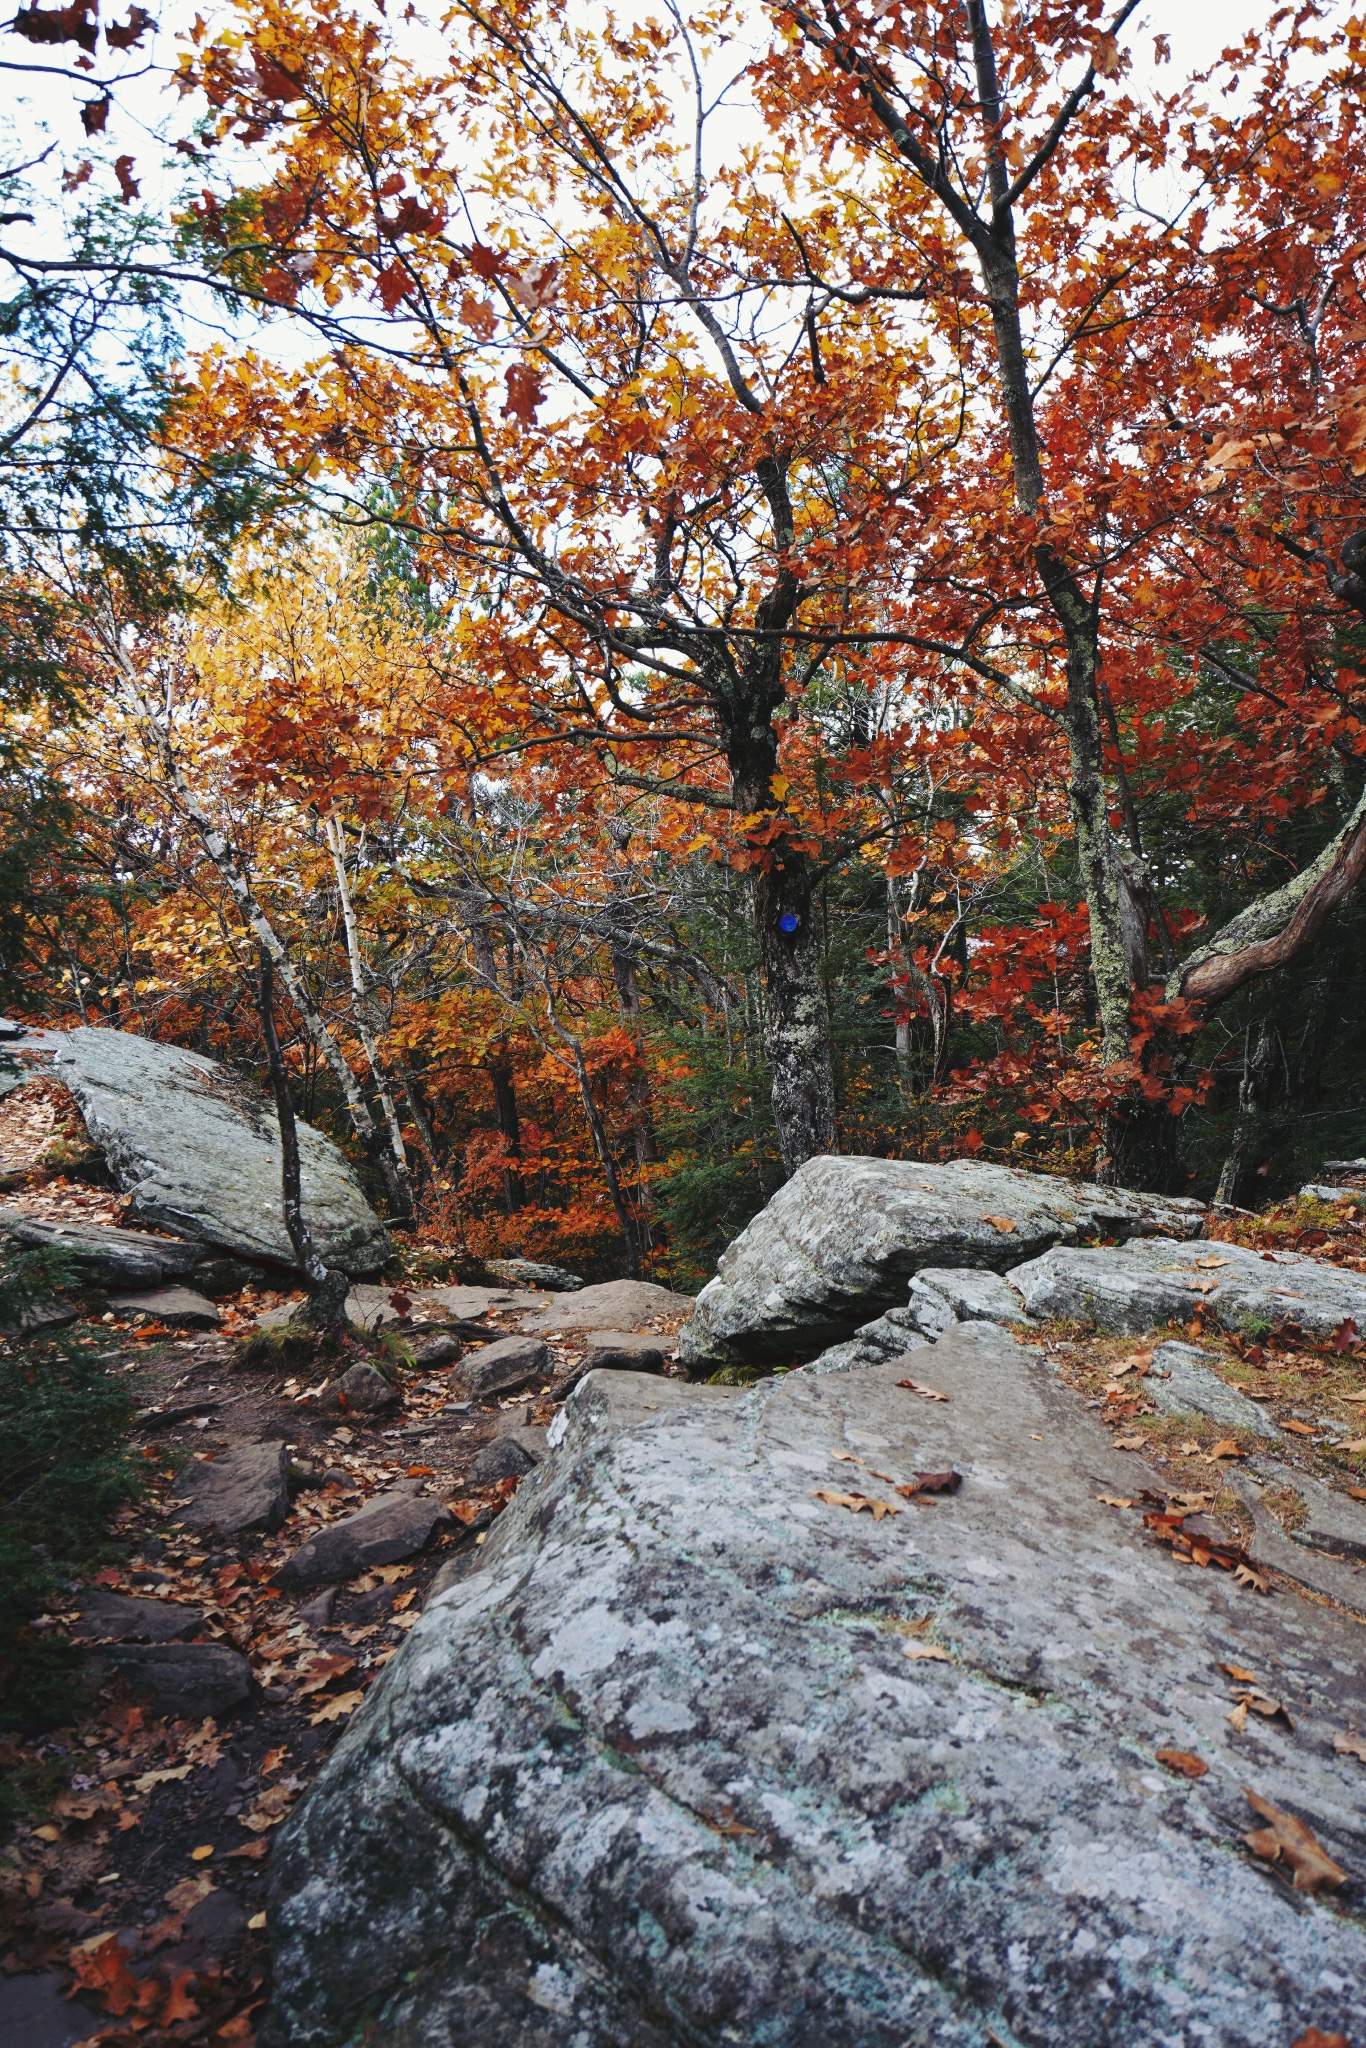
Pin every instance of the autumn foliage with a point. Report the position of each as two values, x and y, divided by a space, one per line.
806 590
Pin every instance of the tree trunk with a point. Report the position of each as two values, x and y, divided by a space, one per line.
361 1010
1241 1163
327 1288
500 1074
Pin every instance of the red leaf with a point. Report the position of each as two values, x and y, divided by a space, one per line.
275 81
1345 1336
94 114
74 24
128 190
524 394
126 35
393 285
484 262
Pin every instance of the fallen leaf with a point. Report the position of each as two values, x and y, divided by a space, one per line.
1270 1710
1211 1262
1113 1500
1006 1224
1182 1762
187 1893
179 2004
1227 1447
1189 1449
929 1653
855 1502
1356 1492
255 1850
1314 2037
1249 1575
151 1778
1352 1397
203 1854
273 1759
256 1923
1131 1443
1237 1720
846 1458
421 1471
925 1393
101 1965
1289 1840
320 1671
1350 1745
1241 1673
1299 1428
334 1709
1355 1449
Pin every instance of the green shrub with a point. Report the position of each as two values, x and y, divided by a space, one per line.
65 1470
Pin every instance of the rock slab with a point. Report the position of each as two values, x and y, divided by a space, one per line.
842 1239
102 1252
124 1618
655 1770
199 1152
239 1490
1192 1387
178 1305
1141 1285
503 1367
531 1273
611 1305
391 1527
183 1680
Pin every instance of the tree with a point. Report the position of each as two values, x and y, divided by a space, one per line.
1143 351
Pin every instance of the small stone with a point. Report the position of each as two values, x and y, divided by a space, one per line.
623 1351
122 1618
504 1458
610 1305
391 1527
317 1613
245 1488
360 1390
183 1680
504 1367
445 1349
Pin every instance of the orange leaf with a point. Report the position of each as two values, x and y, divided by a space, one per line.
1183 1762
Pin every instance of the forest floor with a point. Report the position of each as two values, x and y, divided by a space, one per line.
132 1888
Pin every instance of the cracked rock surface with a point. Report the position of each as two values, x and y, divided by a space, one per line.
655 1771
1140 1285
841 1239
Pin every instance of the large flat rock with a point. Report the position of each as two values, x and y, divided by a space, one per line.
655 1770
199 1152
245 1488
609 1305
841 1240
1141 1285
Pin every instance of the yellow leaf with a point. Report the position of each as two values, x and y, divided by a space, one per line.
345 1703
202 1855
927 1653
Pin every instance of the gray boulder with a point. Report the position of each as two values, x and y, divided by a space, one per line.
665 1764
1192 1387
841 1240
611 1305
530 1273
178 1305
624 1351
444 1349
103 1253
243 1489
940 1296
391 1527
183 1680
1143 1284
199 1152
504 1367
124 1618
